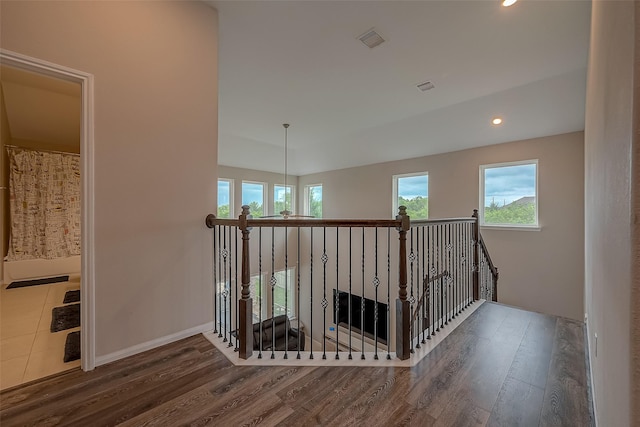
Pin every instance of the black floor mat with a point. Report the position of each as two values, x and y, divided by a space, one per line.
71 296
65 317
72 347
35 282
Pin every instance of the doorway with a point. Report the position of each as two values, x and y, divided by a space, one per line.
41 302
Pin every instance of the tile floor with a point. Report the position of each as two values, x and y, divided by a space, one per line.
28 350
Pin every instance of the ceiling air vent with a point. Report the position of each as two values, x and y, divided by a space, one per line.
371 39
426 86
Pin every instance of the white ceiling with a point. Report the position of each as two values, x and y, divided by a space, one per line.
41 108
300 62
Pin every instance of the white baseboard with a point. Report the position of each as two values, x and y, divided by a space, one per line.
149 345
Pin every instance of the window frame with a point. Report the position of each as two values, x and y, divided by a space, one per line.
292 208
395 178
307 200
534 227
231 192
264 194
264 282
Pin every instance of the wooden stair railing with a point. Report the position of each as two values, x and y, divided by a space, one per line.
451 251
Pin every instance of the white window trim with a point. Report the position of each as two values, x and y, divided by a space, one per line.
394 204
512 227
231 192
307 204
293 197
265 194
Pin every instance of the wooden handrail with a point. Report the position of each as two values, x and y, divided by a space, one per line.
493 268
211 220
442 221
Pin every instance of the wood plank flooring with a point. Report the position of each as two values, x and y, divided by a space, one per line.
501 367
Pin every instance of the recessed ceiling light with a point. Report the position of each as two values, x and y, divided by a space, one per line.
496 121
507 3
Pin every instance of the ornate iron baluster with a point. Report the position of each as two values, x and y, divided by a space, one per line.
376 284
362 302
325 303
311 293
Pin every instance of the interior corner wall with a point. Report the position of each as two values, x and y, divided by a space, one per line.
539 270
609 141
155 143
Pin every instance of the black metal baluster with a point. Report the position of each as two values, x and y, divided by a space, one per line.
336 302
388 293
376 284
418 286
429 274
215 279
424 297
325 303
273 287
298 294
350 301
456 265
226 291
230 292
286 287
362 302
219 282
311 288
450 287
433 290
261 291
412 299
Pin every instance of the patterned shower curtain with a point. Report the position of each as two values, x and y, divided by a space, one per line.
44 201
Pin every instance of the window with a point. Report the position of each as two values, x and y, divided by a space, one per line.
509 194
284 294
253 195
225 198
412 191
313 200
283 199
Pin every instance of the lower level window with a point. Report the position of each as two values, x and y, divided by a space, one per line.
279 300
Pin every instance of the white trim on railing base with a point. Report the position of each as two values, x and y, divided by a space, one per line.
150 345
317 360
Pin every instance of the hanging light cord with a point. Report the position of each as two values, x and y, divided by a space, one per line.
286 128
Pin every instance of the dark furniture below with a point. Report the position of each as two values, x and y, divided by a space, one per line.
282 327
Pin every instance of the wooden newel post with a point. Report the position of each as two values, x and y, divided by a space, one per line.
403 315
245 305
476 258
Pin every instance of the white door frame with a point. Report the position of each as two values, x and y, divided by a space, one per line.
87 282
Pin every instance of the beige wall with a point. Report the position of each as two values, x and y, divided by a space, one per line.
609 140
239 174
155 70
539 270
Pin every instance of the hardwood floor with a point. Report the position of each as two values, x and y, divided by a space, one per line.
501 367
